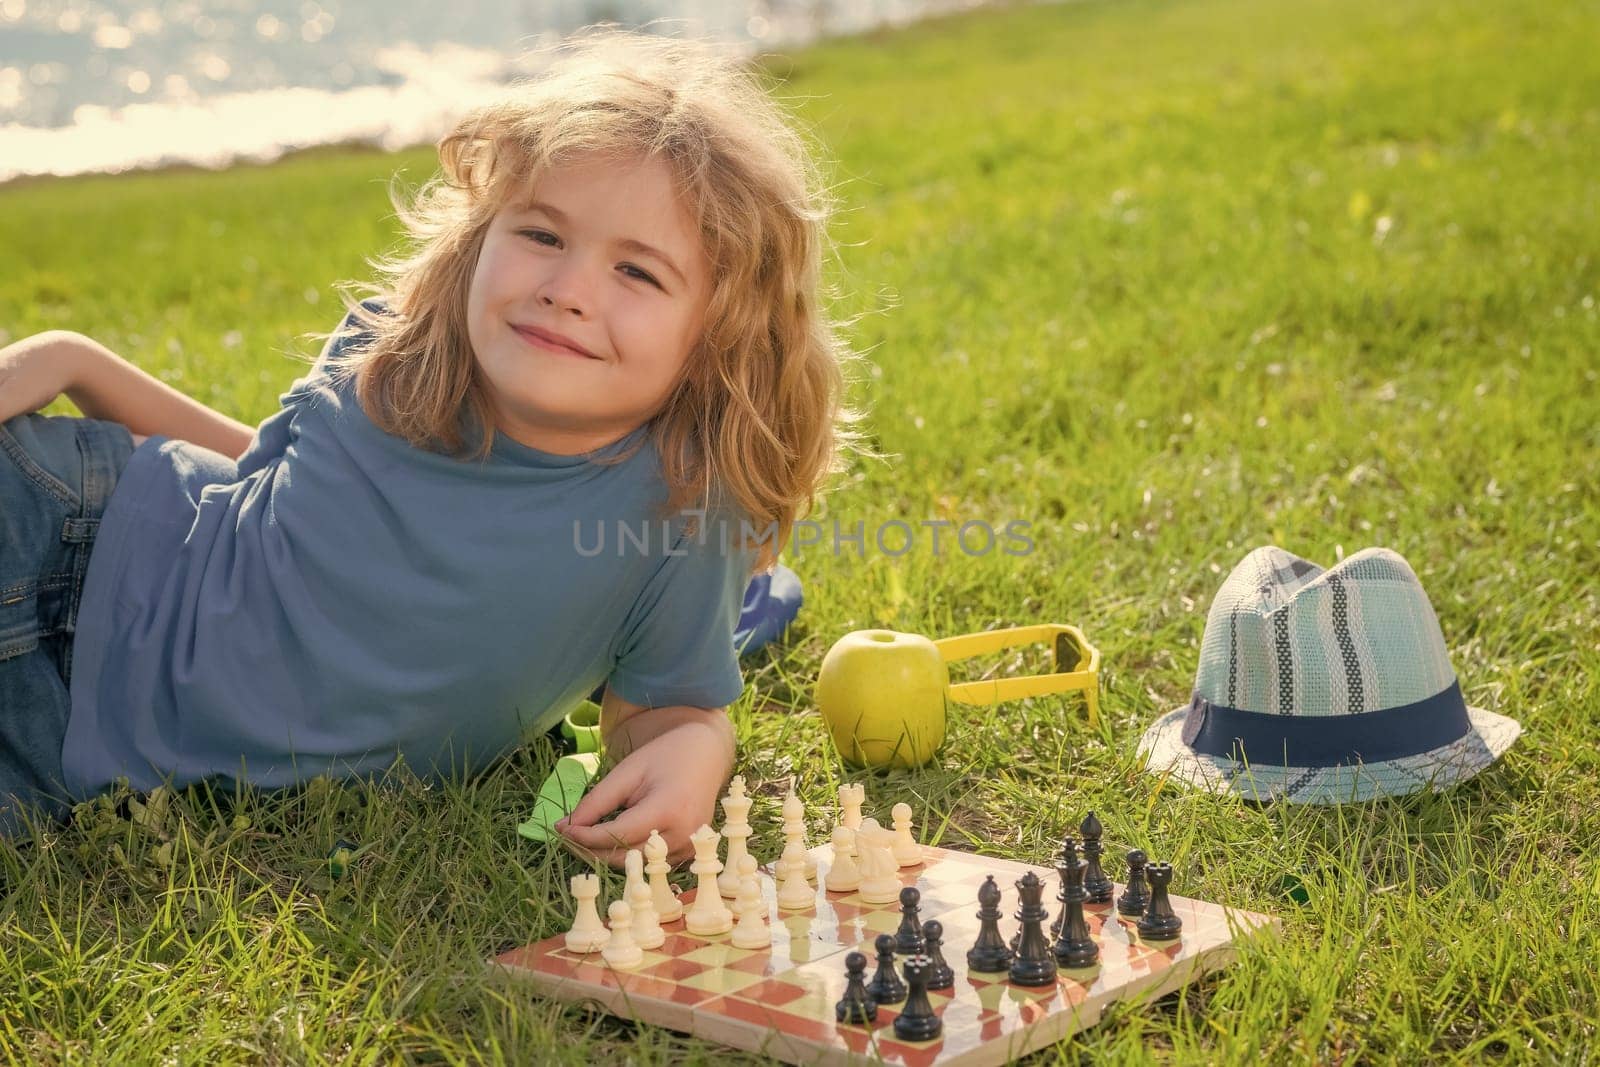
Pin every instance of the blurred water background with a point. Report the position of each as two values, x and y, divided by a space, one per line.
108 85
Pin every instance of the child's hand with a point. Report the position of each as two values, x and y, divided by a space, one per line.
668 783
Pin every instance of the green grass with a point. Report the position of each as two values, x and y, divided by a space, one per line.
1169 281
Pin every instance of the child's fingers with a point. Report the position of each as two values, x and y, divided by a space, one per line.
630 829
613 857
605 796
583 827
596 838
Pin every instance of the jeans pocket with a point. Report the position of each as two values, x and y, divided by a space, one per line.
50 439
19 619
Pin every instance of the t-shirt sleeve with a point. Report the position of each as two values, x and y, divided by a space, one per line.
276 431
273 435
677 644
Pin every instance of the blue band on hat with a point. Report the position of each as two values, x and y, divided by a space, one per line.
1327 740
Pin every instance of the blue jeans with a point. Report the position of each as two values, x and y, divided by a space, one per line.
56 475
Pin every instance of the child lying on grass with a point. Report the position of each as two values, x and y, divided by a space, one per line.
547 453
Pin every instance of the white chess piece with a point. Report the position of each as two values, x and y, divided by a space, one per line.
736 828
907 853
647 932
707 915
844 876
588 933
751 931
662 895
794 829
851 796
880 884
622 950
633 864
794 892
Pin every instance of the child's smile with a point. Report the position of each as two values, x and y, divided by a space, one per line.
586 302
551 341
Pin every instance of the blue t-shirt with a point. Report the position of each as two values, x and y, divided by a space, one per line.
339 598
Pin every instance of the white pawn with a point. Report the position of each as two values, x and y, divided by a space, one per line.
843 875
622 950
647 932
851 796
751 931
588 933
736 828
707 915
662 895
794 893
907 853
794 829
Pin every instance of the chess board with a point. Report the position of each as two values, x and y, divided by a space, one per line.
780 1002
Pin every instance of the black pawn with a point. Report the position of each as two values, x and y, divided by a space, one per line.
1074 947
989 952
908 939
1159 922
856 1006
916 1020
1137 895
1069 857
941 976
1095 882
1035 963
886 987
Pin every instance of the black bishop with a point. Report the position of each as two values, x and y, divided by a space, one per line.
989 953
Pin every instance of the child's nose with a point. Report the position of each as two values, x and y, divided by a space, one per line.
569 286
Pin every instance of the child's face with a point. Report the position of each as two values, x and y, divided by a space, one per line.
563 264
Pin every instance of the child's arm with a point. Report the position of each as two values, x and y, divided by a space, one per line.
37 369
671 762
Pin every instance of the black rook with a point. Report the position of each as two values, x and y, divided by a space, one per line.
1159 922
916 1021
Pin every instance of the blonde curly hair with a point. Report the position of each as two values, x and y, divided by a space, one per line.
757 417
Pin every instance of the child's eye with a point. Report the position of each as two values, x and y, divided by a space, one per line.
539 235
641 275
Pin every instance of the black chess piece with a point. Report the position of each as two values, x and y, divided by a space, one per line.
1159 922
1068 857
1035 963
916 1020
886 986
1074 947
856 1006
941 976
908 939
989 952
1137 895
1095 883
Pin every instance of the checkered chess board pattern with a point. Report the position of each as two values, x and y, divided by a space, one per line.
780 1001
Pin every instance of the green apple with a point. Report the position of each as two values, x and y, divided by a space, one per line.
883 695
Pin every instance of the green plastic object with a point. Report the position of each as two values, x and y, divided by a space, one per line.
560 794
1292 887
581 726
572 776
340 856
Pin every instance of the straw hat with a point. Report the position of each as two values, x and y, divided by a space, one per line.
1324 686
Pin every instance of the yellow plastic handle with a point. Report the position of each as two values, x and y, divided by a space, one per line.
1075 664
